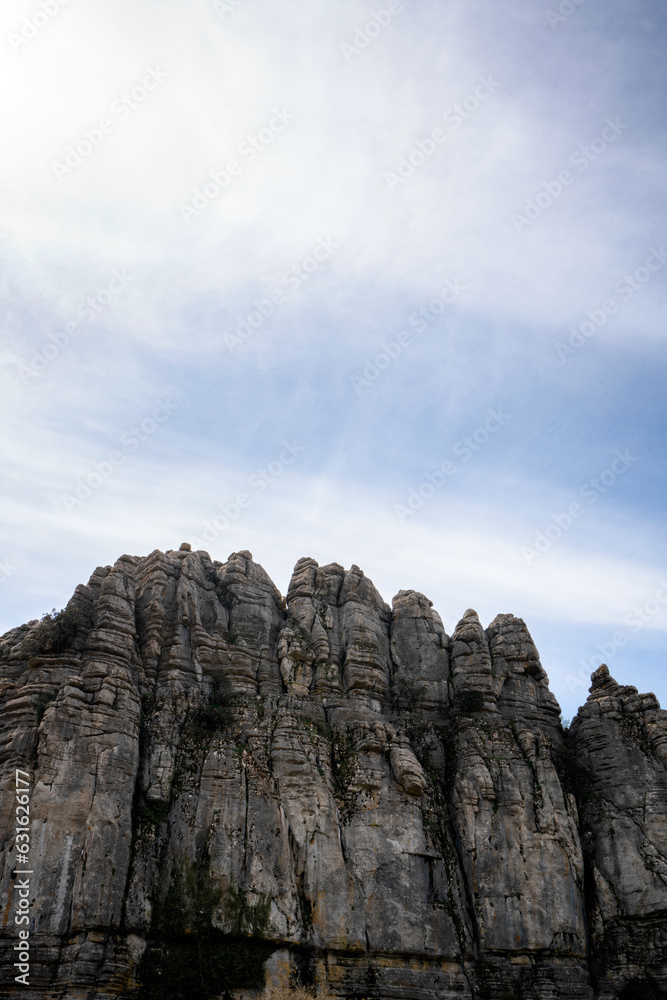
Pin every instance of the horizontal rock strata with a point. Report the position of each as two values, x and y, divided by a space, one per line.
232 790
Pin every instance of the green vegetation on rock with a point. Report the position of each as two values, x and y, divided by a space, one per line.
54 634
41 704
470 701
190 959
205 720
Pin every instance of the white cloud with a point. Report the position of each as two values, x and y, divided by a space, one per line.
323 174
473 559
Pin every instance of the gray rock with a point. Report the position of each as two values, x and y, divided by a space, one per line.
329 787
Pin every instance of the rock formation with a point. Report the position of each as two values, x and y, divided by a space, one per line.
232 790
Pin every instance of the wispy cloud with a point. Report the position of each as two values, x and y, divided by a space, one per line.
215 153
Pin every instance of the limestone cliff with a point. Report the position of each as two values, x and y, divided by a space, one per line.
230 788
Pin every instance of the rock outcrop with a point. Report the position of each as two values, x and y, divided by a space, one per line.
231 790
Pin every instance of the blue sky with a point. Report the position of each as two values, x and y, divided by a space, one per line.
436 242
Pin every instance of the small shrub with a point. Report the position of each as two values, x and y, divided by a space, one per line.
246 915
407 693
345 759
147 702
205 720
55 633
152 813
574 778
315 727
41 704
471 701
214 717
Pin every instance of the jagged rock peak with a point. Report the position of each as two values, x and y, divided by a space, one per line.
602 683
321 786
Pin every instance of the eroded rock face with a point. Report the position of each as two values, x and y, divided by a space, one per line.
226 782
621 779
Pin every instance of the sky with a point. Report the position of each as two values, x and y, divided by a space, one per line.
380 283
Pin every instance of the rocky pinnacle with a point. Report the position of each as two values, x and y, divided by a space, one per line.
232 790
